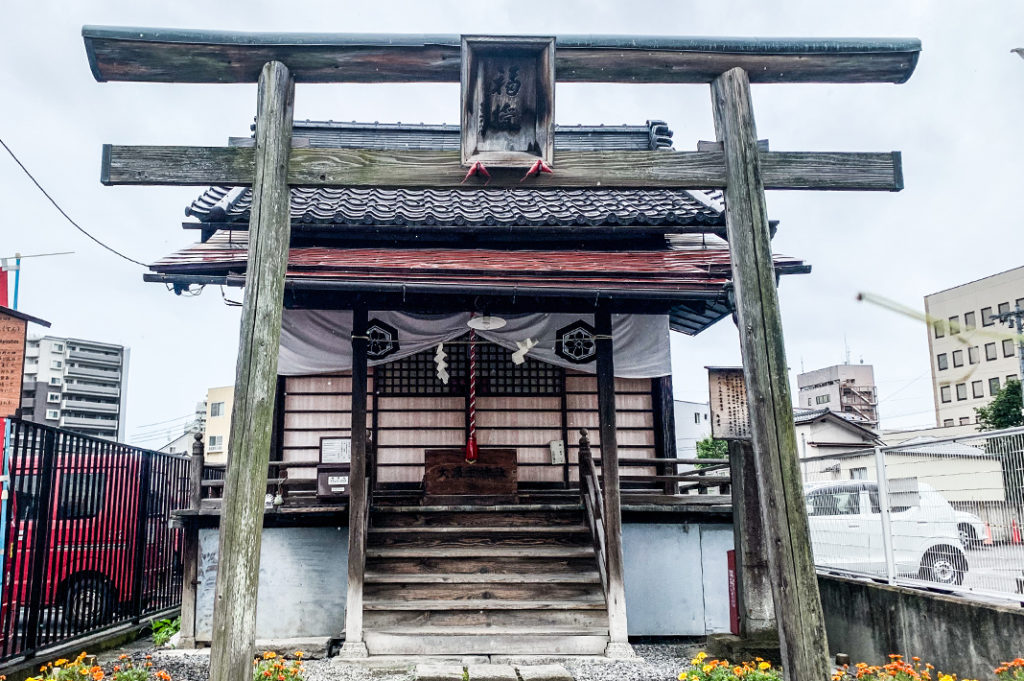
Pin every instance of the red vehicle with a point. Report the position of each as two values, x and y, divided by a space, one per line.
88 523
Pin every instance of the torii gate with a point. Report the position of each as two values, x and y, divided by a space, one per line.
277 61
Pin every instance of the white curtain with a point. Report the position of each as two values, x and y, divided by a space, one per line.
319 341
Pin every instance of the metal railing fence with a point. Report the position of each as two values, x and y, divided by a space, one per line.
942 514
88 543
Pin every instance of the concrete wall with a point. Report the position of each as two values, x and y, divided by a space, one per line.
869 621
303 582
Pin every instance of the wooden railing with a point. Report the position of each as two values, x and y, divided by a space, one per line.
293 491
593 505
703 477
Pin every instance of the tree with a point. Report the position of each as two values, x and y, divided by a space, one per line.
1004 411
712 449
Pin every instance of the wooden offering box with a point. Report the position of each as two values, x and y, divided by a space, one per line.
450 479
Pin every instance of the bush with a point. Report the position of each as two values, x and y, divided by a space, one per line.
84 668
164 629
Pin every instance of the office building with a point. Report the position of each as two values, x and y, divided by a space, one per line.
971 355
846 389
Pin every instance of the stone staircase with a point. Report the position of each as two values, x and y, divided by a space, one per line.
449 580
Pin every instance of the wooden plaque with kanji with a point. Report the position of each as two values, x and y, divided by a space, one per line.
508 101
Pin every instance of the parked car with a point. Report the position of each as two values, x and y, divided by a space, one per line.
846 531
86 538
971 529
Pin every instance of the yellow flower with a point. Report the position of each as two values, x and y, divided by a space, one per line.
60 663
682 676
764 666
701 655
269 655
299 654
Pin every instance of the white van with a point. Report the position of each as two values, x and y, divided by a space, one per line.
846 530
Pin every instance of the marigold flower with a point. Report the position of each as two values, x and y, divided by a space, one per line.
269 655
763 666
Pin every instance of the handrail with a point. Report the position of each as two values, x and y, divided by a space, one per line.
593 505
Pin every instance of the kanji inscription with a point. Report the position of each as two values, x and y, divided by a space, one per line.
12 361
508 98
730 416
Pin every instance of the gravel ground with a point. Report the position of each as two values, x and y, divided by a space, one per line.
661 662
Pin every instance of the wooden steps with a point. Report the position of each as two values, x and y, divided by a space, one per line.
482 580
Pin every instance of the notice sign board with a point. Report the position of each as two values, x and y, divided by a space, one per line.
730 417
12 363
335 450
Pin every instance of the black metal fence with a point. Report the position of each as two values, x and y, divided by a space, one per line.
88 543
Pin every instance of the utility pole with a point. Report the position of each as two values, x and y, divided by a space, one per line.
1015 320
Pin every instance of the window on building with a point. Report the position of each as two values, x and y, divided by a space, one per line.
940 329
696 417
973 356
217 409
954 325
56 364
57 347
965 420
809 401
958 358
56 380
216 443
1004 308
822 399
1019 303
52 414
942 361
945 393
990 351
978 389
986 316
993 386
961 391
970 322
1008 347
53 398
859 473
946 423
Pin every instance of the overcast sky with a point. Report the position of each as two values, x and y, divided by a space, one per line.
957 122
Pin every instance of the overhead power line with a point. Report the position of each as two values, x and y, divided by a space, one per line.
61 210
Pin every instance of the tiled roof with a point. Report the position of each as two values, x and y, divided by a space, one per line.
346 207
340 207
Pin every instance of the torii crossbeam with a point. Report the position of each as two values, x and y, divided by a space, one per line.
729 65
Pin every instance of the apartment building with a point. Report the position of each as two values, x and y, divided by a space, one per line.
971 355
846 389
76 384
219 402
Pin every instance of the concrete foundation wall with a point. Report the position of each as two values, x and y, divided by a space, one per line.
303 582
869 621
676 580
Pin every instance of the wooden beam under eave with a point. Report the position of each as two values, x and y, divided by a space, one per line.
233 166
198 56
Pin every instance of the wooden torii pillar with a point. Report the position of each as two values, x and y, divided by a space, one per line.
743 171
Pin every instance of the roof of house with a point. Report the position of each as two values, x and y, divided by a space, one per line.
806 416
